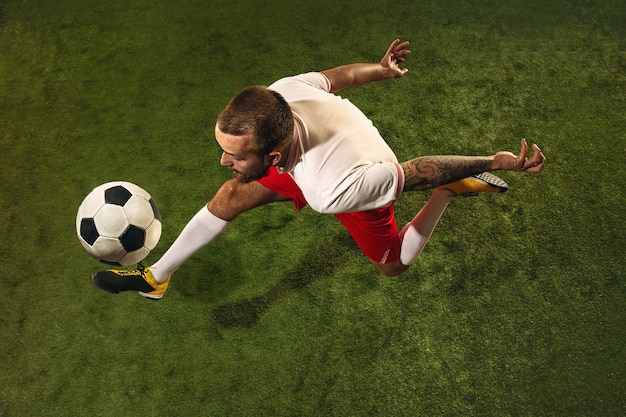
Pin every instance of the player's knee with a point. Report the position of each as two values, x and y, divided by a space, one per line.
394 273
228 202
391 269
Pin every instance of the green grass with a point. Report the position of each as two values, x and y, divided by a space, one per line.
516 307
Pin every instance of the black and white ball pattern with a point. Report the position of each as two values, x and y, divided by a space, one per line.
118 223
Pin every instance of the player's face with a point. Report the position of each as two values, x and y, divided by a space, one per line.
240 157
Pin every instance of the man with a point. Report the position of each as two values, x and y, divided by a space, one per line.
297 141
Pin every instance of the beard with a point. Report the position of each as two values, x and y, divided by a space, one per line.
246 178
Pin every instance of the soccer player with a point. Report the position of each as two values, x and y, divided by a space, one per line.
298 141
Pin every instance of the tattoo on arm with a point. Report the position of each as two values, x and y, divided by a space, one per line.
432 171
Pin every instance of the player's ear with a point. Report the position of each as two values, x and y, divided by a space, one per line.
275 157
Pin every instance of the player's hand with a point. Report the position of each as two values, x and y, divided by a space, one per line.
394 56
520 163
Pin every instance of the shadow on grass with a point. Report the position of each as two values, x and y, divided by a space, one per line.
317 264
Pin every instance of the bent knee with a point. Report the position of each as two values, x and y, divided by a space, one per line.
392 269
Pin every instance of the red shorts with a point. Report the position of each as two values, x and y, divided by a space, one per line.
374 231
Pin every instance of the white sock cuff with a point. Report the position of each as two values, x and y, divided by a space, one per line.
212 223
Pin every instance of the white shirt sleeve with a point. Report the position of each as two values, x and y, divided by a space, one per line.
292 87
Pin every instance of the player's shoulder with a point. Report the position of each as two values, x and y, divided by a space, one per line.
311 82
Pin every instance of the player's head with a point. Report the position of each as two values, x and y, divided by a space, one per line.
255 125
261 112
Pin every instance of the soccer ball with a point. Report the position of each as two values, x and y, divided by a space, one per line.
118 223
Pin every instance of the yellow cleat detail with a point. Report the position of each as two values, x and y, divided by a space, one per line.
471 186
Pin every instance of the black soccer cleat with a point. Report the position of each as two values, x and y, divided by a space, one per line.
139 280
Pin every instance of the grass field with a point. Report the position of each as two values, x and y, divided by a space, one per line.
517 307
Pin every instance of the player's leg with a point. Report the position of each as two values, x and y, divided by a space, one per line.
405 247
376 233
230 200
416 234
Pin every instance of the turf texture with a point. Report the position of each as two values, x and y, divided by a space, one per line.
517 307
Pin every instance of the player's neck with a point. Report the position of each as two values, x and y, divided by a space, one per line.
285 150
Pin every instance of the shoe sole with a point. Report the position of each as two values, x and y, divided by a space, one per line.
497 184
150 296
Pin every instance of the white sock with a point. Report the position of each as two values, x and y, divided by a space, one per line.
417 232
201 230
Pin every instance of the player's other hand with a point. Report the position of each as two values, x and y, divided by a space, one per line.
394 56
520 163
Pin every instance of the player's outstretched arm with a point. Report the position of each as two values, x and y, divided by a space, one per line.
432 171
353 75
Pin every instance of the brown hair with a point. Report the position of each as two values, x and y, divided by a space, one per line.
259 111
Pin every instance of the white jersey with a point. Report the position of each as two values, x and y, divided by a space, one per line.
338 158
